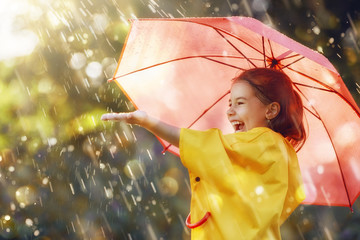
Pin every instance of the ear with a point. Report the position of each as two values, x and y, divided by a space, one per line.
272 110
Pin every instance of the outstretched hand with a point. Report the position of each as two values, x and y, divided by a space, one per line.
136 117
165 131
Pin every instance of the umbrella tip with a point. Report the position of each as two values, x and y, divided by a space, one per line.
351 209
111 79
165 149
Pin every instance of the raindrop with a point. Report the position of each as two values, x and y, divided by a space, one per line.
102 137
108 193
148 152
93 70
134 169
234 7
168 186
102 166
36 233
97 97
153 187
346 134
152 8
110 69
320 169
316 30
50 186
45 181
134 201
259 190
12 206
311 102
151 232
72 189
29 222
63 36
128 188
89 52
70 148
52 141
25 195
77 61
260 5
53 19
100 22
320 49
71 38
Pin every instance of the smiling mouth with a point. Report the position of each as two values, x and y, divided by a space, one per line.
238 126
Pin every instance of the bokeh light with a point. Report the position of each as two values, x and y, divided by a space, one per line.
25 195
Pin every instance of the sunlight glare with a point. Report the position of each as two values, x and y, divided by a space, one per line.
14 43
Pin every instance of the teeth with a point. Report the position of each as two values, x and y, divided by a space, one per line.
235 123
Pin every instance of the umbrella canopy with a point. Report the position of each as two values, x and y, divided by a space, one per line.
180 70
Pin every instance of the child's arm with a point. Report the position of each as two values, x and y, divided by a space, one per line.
165 131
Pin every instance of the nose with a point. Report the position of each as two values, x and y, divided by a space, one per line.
230 111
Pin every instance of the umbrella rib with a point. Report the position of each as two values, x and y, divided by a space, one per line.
332 143
206 110
154 65
314 114
208 57
284 66
232 45
295 61
263 45
296 55
272 53
313 87
220 31
279 60
330 90
226 64
200 116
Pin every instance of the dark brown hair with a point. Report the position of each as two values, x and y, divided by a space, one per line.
273 85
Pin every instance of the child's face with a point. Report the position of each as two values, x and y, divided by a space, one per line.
246 111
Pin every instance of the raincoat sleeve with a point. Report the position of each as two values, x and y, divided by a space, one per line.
249 181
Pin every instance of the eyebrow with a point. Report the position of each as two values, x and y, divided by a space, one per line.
243 98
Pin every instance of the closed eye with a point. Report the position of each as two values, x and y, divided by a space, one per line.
237 103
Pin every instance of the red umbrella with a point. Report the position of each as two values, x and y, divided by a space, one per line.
180 71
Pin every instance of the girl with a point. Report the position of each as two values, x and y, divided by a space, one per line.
244 185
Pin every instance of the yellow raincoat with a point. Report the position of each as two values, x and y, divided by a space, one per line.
250 182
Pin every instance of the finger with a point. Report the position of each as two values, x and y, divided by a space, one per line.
113 117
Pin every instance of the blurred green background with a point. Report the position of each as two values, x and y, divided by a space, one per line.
64 174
